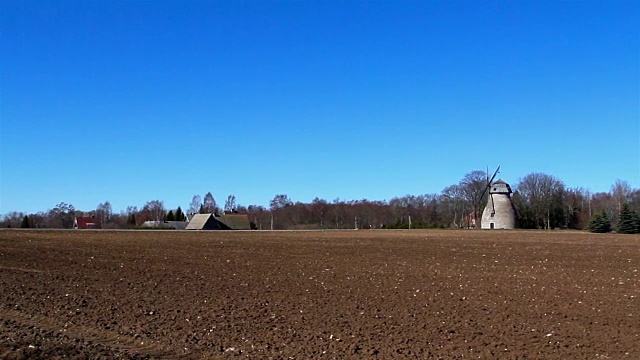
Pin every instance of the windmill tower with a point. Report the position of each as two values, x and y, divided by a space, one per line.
499 212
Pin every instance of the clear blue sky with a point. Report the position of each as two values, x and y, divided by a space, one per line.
132 101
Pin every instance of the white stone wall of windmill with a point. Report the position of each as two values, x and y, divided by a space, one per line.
499 213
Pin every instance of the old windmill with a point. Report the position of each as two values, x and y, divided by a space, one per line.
499 212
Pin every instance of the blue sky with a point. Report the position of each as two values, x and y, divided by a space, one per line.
132 101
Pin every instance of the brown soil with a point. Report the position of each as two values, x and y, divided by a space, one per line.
331 294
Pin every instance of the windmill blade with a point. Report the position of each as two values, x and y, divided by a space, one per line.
493 204
494 176
489 181
485 191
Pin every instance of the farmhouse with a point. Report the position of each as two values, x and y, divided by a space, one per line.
86 222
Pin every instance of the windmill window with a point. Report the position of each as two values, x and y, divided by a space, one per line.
492 214
494 189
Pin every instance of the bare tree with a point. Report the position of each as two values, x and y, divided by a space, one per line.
104 212
318 209
540 199
131 213
473 187
280 201
454 204
402 208
12 219
117 221
259 216
62 216
576 208
154 210
603 201
279 211
209 205
194 206
621 192
230 203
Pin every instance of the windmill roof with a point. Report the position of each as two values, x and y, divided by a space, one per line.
500 181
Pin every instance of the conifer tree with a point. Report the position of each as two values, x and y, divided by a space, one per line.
179 214
170 216
629 221
600 223
25 222
131 220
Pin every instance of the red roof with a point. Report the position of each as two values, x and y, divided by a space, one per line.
87 222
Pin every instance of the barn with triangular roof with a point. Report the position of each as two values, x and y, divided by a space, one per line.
203 222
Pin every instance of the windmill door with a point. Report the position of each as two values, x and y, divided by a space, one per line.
491 225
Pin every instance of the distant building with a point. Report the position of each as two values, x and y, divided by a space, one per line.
234 222
222 222
86 222
203 222
178 225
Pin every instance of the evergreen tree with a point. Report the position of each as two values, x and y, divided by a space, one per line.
170 216
131 220
629 221
25 222
600 223
179 214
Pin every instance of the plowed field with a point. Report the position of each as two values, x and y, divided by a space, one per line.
327 294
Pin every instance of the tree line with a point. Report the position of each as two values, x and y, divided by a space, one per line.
542 201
